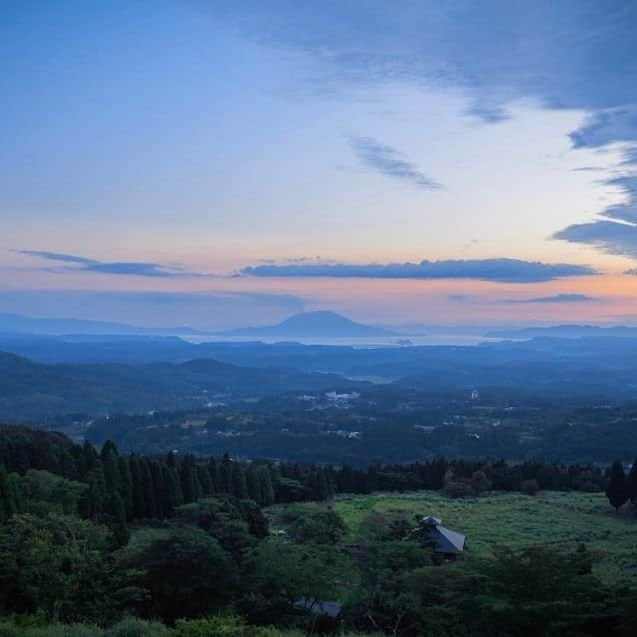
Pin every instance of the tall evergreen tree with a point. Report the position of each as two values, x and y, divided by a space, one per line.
89 458
203 475
213 471
110 462
190 486
265 486
254 487
4 495
118 524
173 494
158 488
10 501
139 505
631 482
126 485
239 483
94 501
148 489
617 489
224 476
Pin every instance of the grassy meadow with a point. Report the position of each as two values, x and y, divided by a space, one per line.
563 519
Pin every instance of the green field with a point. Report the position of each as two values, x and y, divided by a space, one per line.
563 519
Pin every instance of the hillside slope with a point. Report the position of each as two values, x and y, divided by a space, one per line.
31 390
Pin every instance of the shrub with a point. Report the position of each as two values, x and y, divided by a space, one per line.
132 627
529 487
222 626
13 629
458 489
480 482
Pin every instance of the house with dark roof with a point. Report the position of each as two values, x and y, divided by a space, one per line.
444 541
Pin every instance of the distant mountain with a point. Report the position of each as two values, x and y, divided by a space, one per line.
566 331
314 324
17 324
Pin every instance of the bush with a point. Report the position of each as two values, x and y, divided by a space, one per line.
529 487
458 489
13 629
132 627
480 482
222 626
322 527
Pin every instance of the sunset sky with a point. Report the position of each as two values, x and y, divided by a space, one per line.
231 163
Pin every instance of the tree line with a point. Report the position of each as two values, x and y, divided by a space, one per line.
121 488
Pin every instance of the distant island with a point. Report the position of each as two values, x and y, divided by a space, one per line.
566 331
313 324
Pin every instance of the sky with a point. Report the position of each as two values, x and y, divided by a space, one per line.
219 163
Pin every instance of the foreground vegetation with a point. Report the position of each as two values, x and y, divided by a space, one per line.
98 543
563 520
220 626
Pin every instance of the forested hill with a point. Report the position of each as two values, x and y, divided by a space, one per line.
30 390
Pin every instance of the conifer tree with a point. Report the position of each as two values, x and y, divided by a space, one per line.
617 489
265 486
14 494
631 483
254 487
213 471
139 505
94 501
239 484
6 510
118 526
158 487
148 490
205 481
190 486
126 486
174 495
224 475
89 459
109 458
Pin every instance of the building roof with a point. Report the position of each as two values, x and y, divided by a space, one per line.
448 541
445 540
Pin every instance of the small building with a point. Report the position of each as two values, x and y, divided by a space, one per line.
445 542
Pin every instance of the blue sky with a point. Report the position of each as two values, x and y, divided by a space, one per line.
265 150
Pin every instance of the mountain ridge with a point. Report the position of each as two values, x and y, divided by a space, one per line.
566 331
320 323
20 324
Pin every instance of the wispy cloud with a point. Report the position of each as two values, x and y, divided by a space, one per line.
497 52
556 298
497 270
57 256
121 268
615 229
390 162
564 55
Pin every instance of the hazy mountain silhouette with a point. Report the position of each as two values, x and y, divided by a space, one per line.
17 324
566 331
314 324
